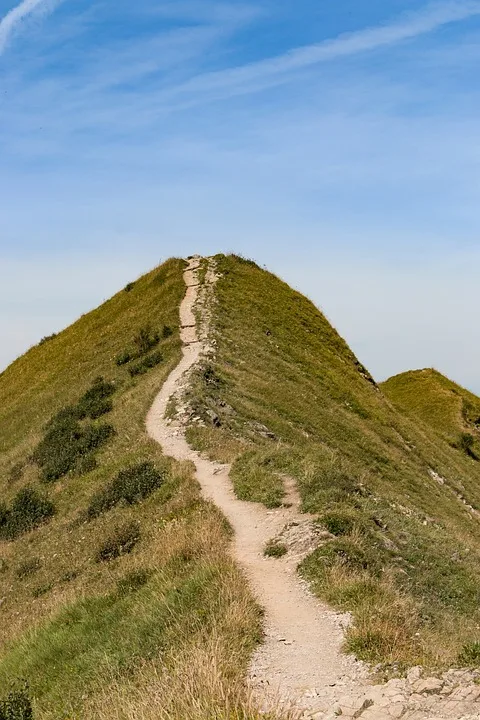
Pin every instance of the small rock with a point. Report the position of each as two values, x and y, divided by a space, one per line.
374 713
214 418
356 706
428 686
414 674
397 710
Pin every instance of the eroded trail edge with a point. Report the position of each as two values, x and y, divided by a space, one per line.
300 662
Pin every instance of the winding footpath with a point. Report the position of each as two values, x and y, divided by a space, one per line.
300 662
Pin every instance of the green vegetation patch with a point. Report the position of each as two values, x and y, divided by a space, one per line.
70 444
130 486
133 581
17 705
469 656
255 480
95 402
28 510
143 342
146 364
275 549
66 443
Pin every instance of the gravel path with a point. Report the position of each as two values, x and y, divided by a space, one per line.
302 650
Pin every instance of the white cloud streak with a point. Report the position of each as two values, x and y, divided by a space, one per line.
11 22
259 74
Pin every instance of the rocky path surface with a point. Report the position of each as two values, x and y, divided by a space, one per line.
300 662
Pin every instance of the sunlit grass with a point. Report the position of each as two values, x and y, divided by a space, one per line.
291 398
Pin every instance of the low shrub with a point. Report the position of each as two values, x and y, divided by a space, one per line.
466 444
70 575
29 509
146 364
130 486
96 401
132 581
124 358
28 567
146 340
66 441
275 549
17 705
469 655
47 338
120 542
211 378
129 287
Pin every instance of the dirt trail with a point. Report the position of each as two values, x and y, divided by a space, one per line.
301 654
300 661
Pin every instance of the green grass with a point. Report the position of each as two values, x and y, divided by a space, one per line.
275 549
81 631
447 408
291 398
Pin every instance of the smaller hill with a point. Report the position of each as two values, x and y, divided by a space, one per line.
449 409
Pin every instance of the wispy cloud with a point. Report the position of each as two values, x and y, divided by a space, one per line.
11 22
271 71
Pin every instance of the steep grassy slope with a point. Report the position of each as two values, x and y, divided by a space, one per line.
287 396
112 608
450 410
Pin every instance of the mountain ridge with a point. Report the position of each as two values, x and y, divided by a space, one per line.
134 553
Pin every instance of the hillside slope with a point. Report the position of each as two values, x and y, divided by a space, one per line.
428 396
117 595
283 395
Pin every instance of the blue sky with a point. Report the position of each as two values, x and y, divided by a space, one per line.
337 143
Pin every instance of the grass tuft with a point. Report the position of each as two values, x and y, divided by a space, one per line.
275 549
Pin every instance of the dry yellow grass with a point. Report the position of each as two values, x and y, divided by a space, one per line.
194 683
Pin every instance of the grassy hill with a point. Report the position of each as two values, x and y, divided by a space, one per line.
116 593
450 410
288 397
